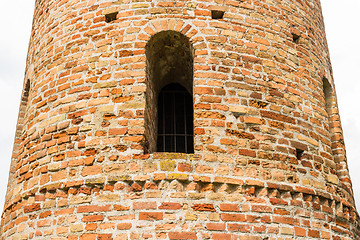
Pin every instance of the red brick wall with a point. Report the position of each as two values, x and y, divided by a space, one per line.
79 170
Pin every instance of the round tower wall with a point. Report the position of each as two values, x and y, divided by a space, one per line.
269 159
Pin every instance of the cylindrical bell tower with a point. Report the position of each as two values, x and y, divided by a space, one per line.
179 120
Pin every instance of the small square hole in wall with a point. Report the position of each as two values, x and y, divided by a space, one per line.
110 17
299 153
296 38
217 14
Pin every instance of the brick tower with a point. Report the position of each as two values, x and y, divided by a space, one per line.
179 120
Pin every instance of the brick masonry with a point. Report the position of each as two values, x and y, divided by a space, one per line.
269 159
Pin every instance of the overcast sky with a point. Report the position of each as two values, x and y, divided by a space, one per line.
341 20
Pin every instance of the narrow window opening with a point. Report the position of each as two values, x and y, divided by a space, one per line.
27 89
23 108
217 14
25 96
175 120
296 38
328 93
169 107
299 153
110 17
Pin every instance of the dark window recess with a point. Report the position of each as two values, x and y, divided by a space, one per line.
299 153
296 38
217 14
175 120
111 17
327 94
27 88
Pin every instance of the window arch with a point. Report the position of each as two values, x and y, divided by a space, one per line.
169 60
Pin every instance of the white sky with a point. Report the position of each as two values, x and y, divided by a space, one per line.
341 20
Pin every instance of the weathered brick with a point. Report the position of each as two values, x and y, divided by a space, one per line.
144 205
170 206
267 155
203 207
229 207
182 235
150 216
32 207
233 217
92 218
215 226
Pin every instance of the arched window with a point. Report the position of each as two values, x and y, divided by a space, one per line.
175 120
169 101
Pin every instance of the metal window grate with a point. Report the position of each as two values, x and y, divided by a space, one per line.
175 120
